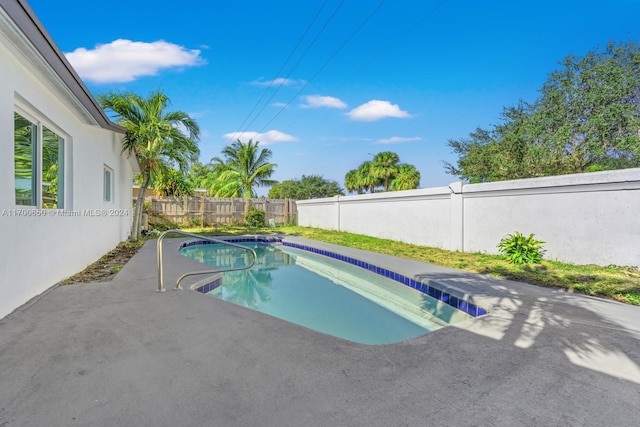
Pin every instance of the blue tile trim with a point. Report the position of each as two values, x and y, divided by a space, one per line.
439 294
208 287
261 239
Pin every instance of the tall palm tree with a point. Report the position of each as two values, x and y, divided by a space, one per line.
352 182
367 177
385 167
407 178
244 167
158 138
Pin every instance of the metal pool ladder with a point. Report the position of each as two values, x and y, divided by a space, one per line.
197 236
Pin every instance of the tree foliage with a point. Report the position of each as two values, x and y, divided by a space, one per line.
203 176
386 171
244 167
385 167
587 118
309 187
407 178
158 138
172 182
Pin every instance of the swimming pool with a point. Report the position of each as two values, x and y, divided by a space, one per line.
322 293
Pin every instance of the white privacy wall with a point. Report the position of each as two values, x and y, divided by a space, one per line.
395 215
38 248
591 218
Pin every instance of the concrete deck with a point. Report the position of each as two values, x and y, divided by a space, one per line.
121 354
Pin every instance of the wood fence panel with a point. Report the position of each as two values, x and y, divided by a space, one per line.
206 211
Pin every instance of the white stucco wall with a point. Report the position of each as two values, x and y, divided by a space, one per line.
583 218
38 251
419 216
320 213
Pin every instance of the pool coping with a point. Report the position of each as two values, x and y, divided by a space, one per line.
126 354
453 297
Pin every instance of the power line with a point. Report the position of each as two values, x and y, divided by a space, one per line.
284 63
300 39
387 48
351 36
296 64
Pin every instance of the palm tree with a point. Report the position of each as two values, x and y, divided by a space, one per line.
352 182
155 136
243 168
367 177
385 167
407 178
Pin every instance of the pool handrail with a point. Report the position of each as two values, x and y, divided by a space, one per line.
196 236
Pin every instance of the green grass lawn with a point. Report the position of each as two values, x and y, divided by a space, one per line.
613 282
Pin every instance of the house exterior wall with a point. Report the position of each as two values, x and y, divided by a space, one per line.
40 247
589 218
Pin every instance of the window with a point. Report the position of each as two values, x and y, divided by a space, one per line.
52 169
38 164
108 184
24 156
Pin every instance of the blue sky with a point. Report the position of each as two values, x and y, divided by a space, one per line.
367 75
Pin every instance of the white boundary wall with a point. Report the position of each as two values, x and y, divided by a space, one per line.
590 218
36 251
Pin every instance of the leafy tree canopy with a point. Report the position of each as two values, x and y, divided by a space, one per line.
203 176
587 118
386 171
309 187
172 182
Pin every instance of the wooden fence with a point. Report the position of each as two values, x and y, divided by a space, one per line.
205 211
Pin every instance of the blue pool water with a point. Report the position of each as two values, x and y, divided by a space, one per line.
323 294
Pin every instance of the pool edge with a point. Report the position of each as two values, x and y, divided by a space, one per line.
455 298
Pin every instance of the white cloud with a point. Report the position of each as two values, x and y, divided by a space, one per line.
280 81
318 101
125 60
376 110
398 140
267 138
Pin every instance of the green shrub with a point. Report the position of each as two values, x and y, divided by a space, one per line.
255 217
520 249
193 222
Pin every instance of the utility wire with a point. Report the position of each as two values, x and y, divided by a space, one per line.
304 34
294 66
283 65
380 53
327 62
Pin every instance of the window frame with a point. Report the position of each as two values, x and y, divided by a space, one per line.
108 184
40 123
